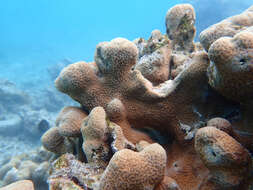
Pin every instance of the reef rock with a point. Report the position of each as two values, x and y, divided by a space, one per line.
20 185
69 173
11 96
27 166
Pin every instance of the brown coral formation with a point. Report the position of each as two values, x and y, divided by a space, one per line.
231 70
231 73
69 121
95 136
180 21
142 93
168 184
154 57
54 142
228 161
63 137
102 138
125 167
185 167
228 27
112 77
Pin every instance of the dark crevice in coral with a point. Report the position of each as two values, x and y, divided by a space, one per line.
81 155
110 141
213 153
162 137
171 65
223 107
242 61
85 110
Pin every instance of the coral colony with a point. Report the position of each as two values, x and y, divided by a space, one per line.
159 114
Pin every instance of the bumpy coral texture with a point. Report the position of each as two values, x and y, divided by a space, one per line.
63 184
227 27
180 21
154 57
54 142
68 124
95 136
228 161
168 184
119 140
102 138
221 124
185 167
231 70
67 170
69 121
127 90
98 84
129 170
224 125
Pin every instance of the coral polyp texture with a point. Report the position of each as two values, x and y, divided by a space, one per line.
180 21
229 163
231 70
124 169
69 121
228 27
159 114
111 77
154 57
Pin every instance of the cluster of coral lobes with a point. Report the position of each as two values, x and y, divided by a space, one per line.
160 114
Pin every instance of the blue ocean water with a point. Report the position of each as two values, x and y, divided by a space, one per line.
35 35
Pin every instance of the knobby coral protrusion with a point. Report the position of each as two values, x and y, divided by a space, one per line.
69 121
228 27
228 161
125 167
60 139
97 84
168 184
102 138
157 90
96 136
154 57
180 21
54 142
231 70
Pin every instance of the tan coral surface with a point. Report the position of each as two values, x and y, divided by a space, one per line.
129 170
149 122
